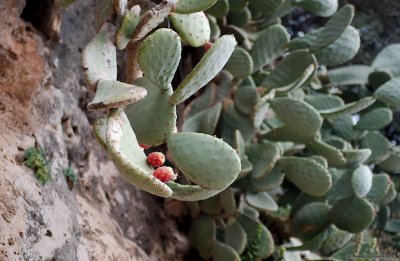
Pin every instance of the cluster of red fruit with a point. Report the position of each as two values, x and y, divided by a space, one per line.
163 173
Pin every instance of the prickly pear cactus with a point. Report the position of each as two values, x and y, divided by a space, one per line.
280 139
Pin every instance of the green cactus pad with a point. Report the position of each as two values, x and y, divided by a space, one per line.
99 57
378 78
100 130
127 28
390 195
297 115
375 119
240 64
270 44
246 98
211 206
152 18
205 160
334 28
355 157
194 29
208 67
152 118
350 75
203 122
344 127
292 72
380 186
332 154
361 180
263 157
324 101
235 236
335 240
379 146
114 94
342 188
202 235
349 108
223 252
352 214
341 50
232 120
338 142
200 103
219 9
228 202
389 93
159 56
260 110
192 6
190 192
309 176
240 146
257 233
261 201
237 5
129 158
388 59
240 18
392 163
268 182
324 8
215 32
311 220
104 11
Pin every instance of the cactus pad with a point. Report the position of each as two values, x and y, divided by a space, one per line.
202 235
240 64
349 108
192 6
127 28
324 8
261 201
375 119
361 180
380 187
389 93
194 29
235 236
263 157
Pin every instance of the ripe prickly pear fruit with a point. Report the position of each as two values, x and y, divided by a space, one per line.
207 46
156 159
164 174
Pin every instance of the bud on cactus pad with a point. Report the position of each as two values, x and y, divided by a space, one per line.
156 159
207 46
164 174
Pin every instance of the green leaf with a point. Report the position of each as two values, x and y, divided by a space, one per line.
99 57
379 146
380 187
311 220
334 28
375 119
219 9
309 176
352 214
193 28
324 101
263 157
127 28
341 50
129 158
193 6
159 56
350 75
208 67
235 236
240 64
361 180
388 59
324 8
297 115
292 72
152 118
223 252
389 93
205 160
202 235
349 108
114 94
270 44
261 201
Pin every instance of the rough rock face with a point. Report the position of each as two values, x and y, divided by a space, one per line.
43 101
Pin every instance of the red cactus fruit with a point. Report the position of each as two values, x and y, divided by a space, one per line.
207 46
164 174
156 159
